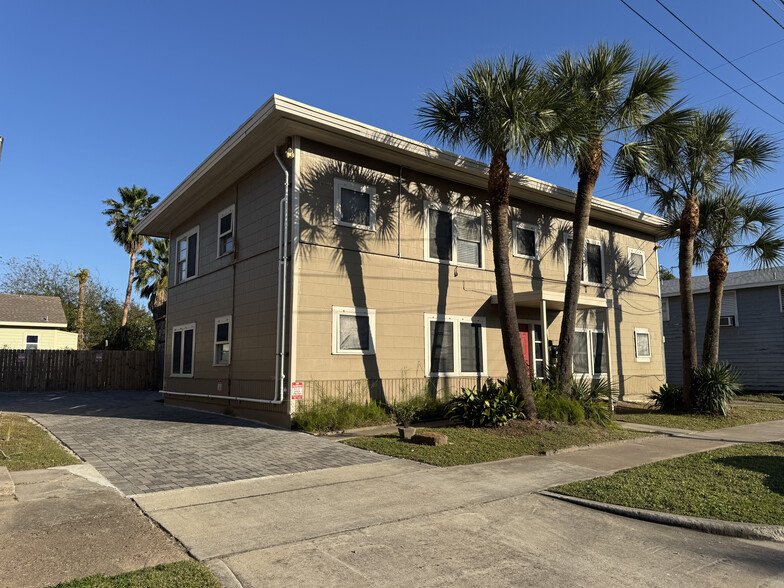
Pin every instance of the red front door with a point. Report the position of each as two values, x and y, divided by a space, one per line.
525 339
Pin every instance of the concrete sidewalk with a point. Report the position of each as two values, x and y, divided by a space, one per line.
402 523
62 526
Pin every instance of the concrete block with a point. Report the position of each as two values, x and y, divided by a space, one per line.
430 438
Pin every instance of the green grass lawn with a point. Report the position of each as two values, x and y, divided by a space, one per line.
774 398
180 574
467 445
26 446
740 415
740 483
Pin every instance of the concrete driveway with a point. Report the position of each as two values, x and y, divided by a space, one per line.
141 445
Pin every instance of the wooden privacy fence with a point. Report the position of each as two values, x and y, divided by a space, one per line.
42 370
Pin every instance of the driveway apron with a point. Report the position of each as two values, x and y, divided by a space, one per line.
141 445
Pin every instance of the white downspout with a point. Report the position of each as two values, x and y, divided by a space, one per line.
283 246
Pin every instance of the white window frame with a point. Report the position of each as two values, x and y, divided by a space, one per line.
734 322
631 251
452 211
28 343
220 321
589 344
530 227
337 312
638 357
372 197
665 310
456 321
186 236
221 214
182 329
583 278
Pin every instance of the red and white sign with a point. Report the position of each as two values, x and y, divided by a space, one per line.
297 389
220 385
20 357
98 357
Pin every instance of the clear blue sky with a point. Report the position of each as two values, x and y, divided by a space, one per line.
96 95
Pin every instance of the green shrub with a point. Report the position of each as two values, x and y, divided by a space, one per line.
337 414
556 407
588 400
495 404
714 387
404 412
667 398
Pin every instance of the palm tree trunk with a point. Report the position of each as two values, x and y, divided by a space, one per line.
588 172
127 304
80 344
718 264
690 221
498 189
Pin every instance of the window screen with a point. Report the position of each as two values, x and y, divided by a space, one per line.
177 352
354 333
355 207
440 234
470 347
580 353
192 252
226 234
469 233
643 344
187 352
636 264
526 242
442 353
593 263
599 353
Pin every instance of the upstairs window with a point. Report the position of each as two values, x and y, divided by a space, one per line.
454 236
222 341
525 241
183 341
31 342
642 344
187 255
226 231
589 356
636 263
593 260
455 346
355 205
353 331
665 309
729 310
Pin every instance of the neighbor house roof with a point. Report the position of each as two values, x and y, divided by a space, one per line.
280 118
773 276
46 311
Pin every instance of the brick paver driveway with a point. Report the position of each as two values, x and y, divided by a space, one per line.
140 445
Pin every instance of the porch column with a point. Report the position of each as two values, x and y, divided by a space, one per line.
545 346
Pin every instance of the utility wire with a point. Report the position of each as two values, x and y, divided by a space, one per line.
687 54
766 12
720 54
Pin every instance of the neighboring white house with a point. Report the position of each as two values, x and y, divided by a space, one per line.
34 322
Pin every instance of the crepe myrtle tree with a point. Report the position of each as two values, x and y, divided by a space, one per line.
614 96
500 109
679 170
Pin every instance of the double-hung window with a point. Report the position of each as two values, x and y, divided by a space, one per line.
665 309
636 263
183 341
226 231
31 342
353 331
642 344
729 310
455 346
355 205
222 341
453 236
187 251
589 355
593 260
525 241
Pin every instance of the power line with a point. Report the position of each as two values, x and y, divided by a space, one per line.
687 54
766 12
720 54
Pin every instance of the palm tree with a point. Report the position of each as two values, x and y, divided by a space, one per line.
134 205
614 96
497 109
152 282
679 170
82 276
731 222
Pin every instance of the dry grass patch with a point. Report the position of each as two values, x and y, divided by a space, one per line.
25 445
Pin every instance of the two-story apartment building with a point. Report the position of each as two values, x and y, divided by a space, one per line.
312 254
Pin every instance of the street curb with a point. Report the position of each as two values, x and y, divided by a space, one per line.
7 487
712 526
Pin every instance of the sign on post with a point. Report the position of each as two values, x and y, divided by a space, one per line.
297 389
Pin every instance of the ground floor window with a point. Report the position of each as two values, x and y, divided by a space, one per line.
222 340
455 345
183 341
589 354
353 331
31 342
642 344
